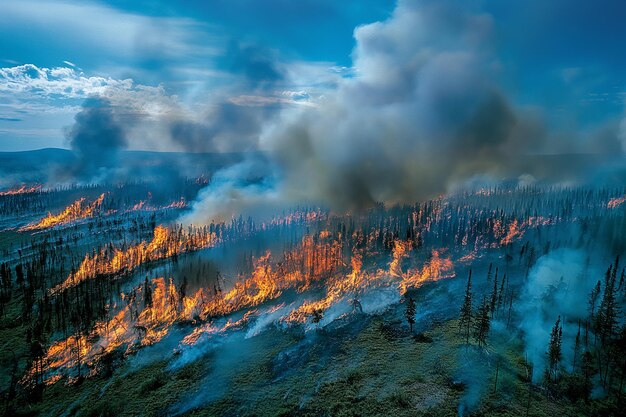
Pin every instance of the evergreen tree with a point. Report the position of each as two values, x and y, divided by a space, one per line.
554 350
465 319
588 370
605 324
410 312
593 299
494 295
482 323
576 348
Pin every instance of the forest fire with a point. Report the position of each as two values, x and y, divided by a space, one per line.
151 309
322 272
76 211
144 205
348 208
616 202
164 244
23 189
138 323
512 233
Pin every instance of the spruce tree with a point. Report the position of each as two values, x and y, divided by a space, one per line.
482 323
593 299
494 295
576 348
605 323
465 319
554 350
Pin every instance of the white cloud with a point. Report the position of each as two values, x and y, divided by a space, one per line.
46 99
115 33
31 80
48 90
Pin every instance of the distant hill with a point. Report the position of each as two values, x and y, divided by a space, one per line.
44 164
52 165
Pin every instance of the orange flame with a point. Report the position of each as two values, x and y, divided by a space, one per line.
23 189
512 234
145 206
616 202
75 211
164 244
314 260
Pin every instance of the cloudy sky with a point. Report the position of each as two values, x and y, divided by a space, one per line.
208 75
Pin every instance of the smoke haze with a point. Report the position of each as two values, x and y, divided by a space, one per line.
96 138
423 114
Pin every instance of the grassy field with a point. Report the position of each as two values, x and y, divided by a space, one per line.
361 366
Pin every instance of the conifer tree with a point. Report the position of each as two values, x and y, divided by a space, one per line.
576 348
494 295
482 323
593 299
605 323
465 319
554 350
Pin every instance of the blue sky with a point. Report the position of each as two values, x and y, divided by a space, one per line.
562 59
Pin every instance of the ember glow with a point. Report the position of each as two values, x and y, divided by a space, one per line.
144 205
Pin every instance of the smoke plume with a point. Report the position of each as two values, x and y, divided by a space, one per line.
229 125
558 285
96 138
421 114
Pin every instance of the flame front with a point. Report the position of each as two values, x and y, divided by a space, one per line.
75 211
616 202
144 205
111 261
23 189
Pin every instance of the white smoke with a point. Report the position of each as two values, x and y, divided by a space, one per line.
559 284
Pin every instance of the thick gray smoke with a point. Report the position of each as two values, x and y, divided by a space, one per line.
558 285
96 138
227 126
421 114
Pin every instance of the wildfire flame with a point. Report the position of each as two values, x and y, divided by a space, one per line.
23 189
75 211
143 205
110 261
616 202
512 234
315 261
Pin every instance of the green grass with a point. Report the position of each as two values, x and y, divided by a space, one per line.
368 371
